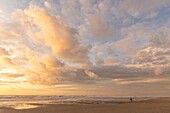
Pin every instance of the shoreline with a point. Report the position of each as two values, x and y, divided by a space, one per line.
159 105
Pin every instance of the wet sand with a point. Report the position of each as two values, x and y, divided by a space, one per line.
161 105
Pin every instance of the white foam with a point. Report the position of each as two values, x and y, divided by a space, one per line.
24 106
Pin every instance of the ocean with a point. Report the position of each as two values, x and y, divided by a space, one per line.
27 102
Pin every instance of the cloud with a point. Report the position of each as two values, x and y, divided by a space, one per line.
151 55
140 81
121 71
4 61
109 61
10 75
99 28
44 52
91 74
10 30
150 58
91 15
161 38
99 61
3 52
46 70
1 11
100 53
155 50
6 34
47 4
50 44
109 51
133 38
137 8
4 57
106 61
159 71
54 33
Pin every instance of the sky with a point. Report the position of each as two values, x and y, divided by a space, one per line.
85 47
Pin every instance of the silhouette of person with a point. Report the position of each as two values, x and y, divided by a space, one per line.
130 99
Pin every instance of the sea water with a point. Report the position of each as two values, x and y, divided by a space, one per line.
27 102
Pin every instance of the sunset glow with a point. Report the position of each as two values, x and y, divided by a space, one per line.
85 47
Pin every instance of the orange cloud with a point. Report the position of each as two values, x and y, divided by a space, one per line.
4 59
46 70
54 33
109 60
3 51
100 53
159 70
91 74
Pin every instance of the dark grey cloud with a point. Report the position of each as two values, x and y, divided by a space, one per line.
121 72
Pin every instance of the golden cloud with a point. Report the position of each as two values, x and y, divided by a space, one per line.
91 74
54 33
3 51
45 70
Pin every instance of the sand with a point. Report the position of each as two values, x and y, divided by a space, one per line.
161 105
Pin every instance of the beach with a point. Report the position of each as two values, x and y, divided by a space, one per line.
160 105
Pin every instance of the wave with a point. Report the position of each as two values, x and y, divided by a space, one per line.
14 101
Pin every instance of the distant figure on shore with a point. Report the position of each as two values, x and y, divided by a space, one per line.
130 99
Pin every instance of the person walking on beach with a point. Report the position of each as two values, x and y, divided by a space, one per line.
130 99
